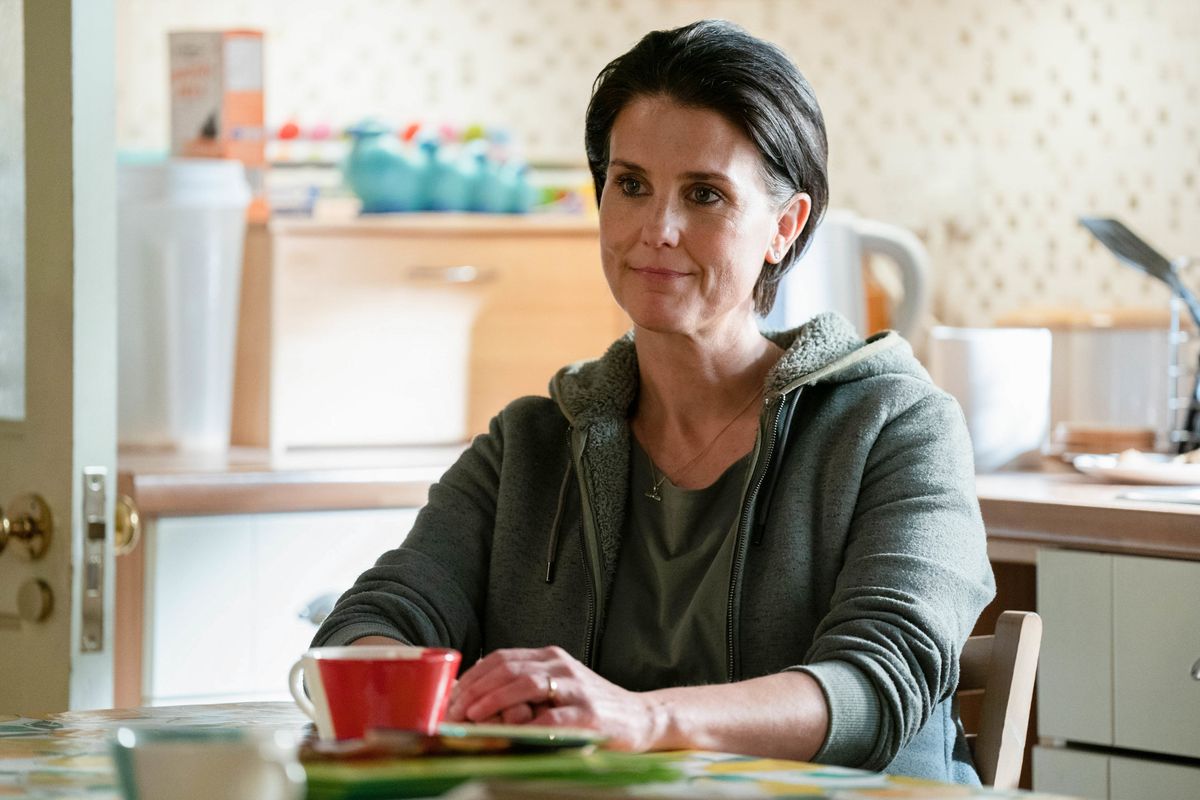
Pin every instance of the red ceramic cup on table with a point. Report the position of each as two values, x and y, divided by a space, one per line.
355 689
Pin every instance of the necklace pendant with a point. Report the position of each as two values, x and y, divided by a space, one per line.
653 494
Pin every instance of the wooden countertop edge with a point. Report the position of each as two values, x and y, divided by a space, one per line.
204 493
1021 512
1161 530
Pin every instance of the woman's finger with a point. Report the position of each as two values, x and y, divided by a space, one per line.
529 669
517 715
467 693
503 660
523 688
560 717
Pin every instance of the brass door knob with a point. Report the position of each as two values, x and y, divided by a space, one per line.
27 524
127 527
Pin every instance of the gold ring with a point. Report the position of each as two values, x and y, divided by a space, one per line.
551 690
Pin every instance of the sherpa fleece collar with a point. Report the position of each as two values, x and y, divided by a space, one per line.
606 387
596 397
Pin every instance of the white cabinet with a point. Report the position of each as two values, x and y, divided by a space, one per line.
1075 773
223 596
1093 775
1074 598
1156 642
1136 779
1121 641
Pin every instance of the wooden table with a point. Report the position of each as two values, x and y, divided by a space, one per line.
67 755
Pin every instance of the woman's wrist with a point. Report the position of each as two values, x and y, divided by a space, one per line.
662 732
780 716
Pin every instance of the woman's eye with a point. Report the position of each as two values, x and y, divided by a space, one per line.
705 196
630 186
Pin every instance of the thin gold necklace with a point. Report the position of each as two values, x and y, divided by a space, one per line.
657 481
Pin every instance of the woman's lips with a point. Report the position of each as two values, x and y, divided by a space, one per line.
659 273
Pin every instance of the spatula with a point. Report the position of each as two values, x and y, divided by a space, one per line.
1131 249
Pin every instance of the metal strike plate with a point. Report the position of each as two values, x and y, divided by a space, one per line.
95 530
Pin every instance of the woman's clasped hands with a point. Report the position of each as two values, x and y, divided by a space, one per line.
547 686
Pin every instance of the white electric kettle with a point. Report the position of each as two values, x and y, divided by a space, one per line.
830 275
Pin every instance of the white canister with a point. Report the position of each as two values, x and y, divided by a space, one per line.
181 227
1001 378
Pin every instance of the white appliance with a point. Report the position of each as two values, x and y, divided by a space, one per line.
1001 378
829 277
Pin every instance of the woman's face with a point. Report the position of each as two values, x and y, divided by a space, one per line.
686 220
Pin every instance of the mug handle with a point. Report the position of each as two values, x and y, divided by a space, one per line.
296 685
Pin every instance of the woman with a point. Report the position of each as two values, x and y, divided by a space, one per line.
708 538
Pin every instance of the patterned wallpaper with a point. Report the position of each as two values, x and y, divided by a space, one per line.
986 126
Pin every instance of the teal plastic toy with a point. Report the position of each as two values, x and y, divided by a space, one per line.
445 183
380 172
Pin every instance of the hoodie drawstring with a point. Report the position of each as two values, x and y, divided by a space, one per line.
552 549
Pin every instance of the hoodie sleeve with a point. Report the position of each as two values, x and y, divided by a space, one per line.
914 580
429 590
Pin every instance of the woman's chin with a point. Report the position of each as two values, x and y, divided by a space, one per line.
658 320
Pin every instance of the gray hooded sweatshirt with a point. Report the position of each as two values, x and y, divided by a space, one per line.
860 555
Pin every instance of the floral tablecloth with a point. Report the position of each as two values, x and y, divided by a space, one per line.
66 756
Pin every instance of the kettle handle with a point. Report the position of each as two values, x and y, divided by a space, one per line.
903 247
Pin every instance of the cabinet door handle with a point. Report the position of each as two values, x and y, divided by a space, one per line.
1196 670
462 274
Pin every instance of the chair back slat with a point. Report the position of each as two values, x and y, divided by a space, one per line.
1004 665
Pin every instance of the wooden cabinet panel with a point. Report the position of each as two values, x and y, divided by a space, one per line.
1075 773
363 316
1156 640
1135 779
1075 686
370 341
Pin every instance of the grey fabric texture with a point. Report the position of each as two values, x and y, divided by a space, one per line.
868 574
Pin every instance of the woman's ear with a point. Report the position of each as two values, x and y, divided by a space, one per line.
791 222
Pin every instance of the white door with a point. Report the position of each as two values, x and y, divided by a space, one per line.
57 352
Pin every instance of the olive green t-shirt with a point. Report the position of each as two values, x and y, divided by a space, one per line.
670 596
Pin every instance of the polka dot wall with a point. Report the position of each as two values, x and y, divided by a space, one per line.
985 126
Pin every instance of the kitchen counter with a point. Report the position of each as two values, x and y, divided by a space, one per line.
248 480
1022 510
1059 507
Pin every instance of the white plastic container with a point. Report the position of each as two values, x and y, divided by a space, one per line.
1001 378
181 228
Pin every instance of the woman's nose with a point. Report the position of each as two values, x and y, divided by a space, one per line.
661 226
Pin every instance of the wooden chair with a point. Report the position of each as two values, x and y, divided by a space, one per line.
1003 667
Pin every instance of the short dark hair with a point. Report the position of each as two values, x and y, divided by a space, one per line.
716 65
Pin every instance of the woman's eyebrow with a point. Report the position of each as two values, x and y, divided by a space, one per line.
623 164
699 175
707 176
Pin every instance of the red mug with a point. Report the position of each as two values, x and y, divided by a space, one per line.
355 689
